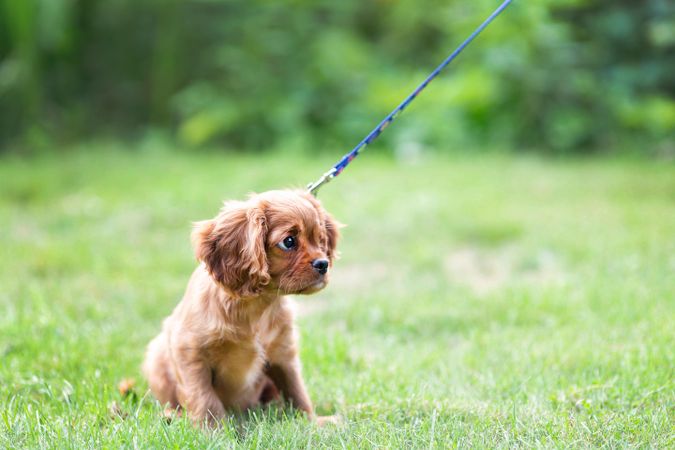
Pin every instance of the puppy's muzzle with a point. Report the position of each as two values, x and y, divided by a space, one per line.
320 265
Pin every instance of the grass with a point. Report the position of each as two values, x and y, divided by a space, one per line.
490 301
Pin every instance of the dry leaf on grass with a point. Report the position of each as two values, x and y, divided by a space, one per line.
126 387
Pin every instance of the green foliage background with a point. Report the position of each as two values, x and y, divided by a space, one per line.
555 75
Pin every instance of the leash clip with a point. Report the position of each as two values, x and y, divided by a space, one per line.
313 188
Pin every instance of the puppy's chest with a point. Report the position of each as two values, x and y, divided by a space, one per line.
241 361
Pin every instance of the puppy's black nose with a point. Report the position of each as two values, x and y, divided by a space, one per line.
320 265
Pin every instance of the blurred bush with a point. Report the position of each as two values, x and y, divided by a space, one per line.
559 75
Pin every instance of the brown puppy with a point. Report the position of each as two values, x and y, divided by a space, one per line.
231 343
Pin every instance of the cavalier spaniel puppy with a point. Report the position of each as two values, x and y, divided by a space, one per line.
231 344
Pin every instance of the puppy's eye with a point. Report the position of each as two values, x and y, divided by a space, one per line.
289 243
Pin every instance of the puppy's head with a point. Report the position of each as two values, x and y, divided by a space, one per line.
277 241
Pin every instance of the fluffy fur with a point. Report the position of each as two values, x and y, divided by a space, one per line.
231 343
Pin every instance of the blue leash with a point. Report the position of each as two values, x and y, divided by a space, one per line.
346 159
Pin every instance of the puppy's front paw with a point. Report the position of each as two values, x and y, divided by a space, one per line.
208 415
333 420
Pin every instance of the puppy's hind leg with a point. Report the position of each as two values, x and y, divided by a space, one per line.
158 370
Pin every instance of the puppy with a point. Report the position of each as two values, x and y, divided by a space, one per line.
231 344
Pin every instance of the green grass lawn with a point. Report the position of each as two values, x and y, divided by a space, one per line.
487 301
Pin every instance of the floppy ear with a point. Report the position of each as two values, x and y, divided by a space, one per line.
332 234
232 246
